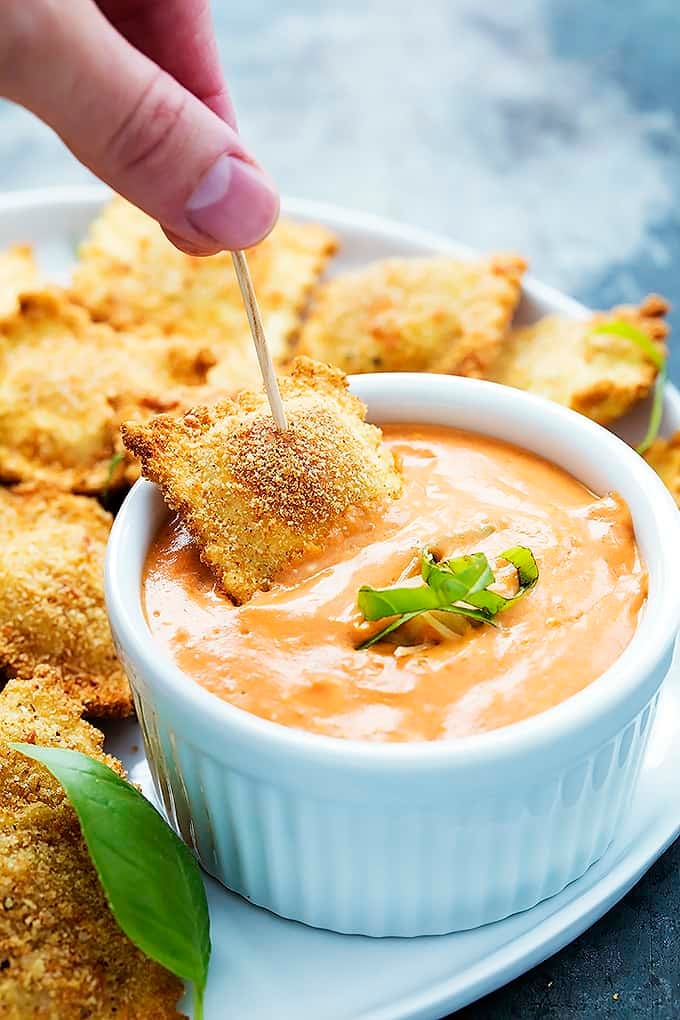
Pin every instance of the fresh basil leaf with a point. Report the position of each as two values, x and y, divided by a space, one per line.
446 586
473 569
377 603
463 579
454 579
656 414
630 332
524 562
404 618
489 602
476 615
658 358
457 585
150 878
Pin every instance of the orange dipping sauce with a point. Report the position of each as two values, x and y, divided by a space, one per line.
289 655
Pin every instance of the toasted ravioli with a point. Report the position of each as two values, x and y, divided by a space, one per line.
18 274
132 277
664 456
63 955
599 374
415 315
66 383
52 595
257 499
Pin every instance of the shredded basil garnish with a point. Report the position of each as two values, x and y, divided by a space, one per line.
658 359
457 585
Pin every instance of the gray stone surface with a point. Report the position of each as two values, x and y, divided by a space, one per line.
550 126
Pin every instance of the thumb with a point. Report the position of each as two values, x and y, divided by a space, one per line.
135 126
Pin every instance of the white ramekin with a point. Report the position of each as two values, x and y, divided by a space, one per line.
421 838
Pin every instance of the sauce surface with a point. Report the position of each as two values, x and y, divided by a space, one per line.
290 655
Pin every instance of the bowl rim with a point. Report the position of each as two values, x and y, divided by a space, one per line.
651 641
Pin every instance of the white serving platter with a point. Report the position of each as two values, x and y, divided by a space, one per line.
264 967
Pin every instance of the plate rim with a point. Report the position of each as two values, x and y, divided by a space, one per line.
568 921
308 209
522 954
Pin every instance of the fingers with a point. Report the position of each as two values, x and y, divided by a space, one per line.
178 36
135 126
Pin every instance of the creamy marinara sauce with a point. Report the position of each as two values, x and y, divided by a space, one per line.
290 655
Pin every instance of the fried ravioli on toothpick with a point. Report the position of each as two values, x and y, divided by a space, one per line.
664 456
132 277
52 607
437 314
66 383
63 954
599 374
256 499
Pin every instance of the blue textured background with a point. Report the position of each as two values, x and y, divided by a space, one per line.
548 126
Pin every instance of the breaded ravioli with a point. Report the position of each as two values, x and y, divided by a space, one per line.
18 274
664 456
66 383
256 499
52 595
62 955
132 277
599 374
415 315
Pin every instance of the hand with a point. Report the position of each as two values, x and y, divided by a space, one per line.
134 88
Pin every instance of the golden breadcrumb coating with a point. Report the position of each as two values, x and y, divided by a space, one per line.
18 274
415 315
664 456
257 499
52 595
599 374
66 383
62 955
132 277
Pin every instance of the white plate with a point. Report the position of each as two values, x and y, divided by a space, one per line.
265 967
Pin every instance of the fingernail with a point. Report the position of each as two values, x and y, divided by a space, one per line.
234 204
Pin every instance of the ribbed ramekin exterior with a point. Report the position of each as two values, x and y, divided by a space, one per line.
376 865
419 839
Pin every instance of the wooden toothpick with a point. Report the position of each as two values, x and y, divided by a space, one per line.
261 349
